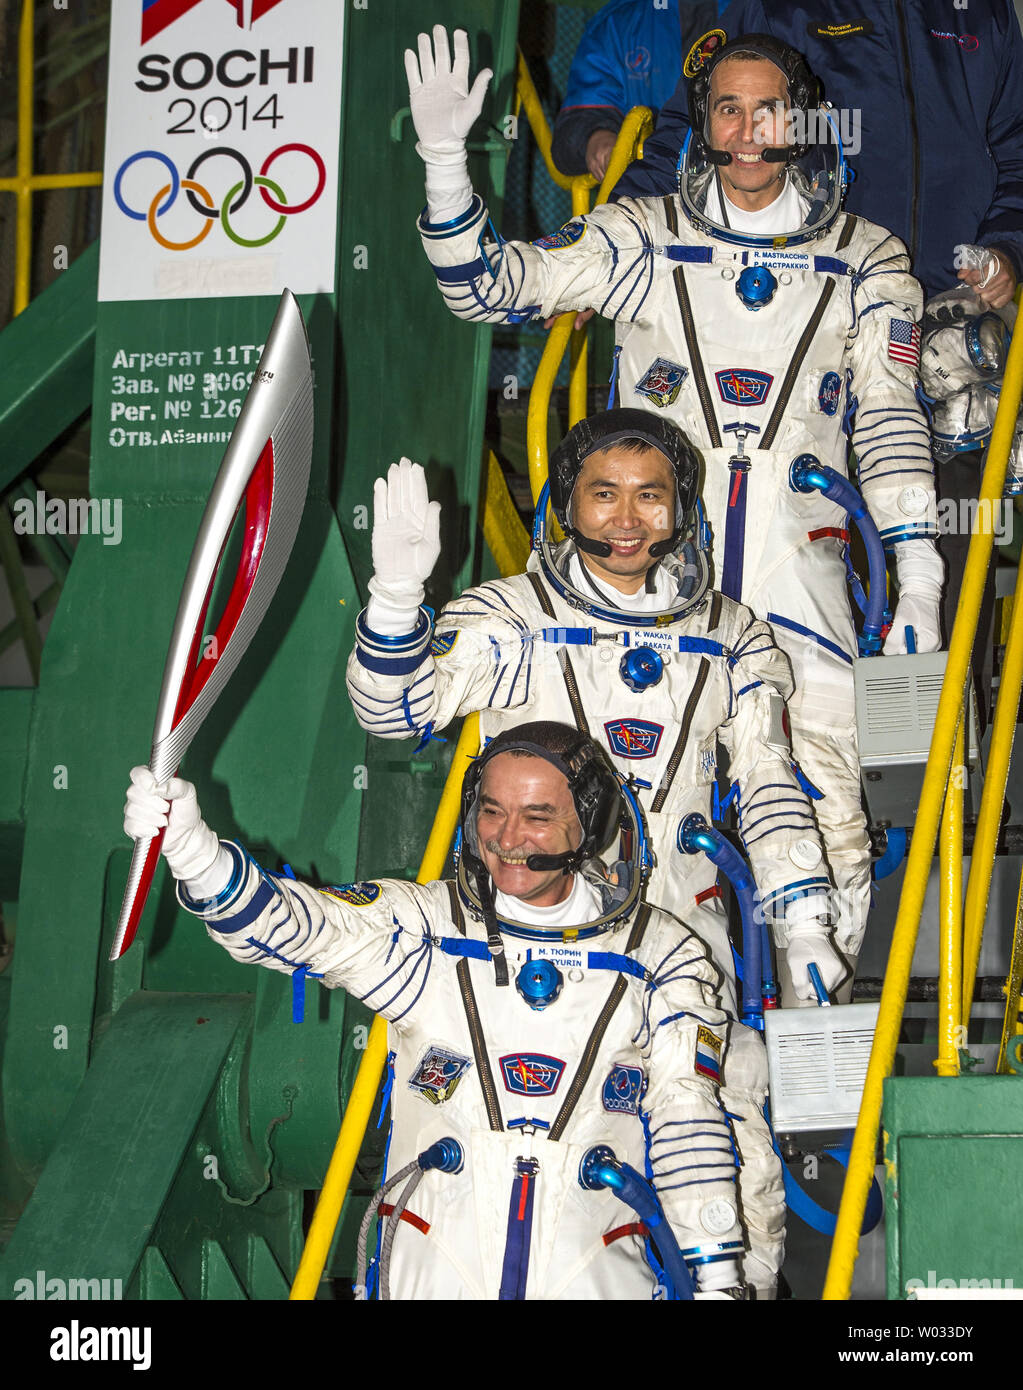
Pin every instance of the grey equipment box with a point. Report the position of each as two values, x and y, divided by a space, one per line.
896 702
817 1059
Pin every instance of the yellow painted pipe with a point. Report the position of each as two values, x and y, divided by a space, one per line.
992 799
638 124
367 1081
844 1246
23 216
540 400
579 364
41 182
526 92
950 917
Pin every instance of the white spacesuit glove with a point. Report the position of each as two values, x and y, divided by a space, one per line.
192 850
712 1279
921 573
443 112
406 546
809 944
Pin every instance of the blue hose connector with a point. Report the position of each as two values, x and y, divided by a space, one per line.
601 1168
694 835
807 474
445 1155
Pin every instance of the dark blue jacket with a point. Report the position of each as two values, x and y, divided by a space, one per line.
940 91
630 54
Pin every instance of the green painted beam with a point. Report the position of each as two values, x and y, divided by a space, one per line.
16 708
954 1181
46 361
95 1206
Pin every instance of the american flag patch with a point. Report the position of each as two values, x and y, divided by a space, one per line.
904 341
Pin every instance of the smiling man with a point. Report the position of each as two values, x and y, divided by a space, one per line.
768 324
537 1008
617 630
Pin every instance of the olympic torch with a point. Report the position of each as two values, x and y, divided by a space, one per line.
267 465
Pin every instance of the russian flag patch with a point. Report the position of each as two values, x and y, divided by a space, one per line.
708 1053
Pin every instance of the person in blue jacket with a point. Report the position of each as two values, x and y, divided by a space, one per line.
938 94
630 55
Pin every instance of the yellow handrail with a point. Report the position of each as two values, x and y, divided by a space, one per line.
527 94
638 124
950 916
25 183
844 1247
992 799
367 1081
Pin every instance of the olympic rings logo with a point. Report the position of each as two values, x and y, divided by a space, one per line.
202 202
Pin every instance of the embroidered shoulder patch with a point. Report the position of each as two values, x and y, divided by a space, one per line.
701 51
904 341
623 1089
443 642
708 1053
662 381
565 236
438 1074
357 894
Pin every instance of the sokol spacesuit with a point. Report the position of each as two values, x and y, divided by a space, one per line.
662 676
536 1008
762 322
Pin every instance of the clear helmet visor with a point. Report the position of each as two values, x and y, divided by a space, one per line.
810 183
965 420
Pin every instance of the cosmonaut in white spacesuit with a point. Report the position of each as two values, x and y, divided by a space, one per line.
617 630
537 1008
761 319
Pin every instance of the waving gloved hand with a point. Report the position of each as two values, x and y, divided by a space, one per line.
810 944
444 110
406 546
921 574
192 850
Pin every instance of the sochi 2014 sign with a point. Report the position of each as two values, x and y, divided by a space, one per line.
223 123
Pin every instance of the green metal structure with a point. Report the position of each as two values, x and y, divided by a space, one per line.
163 1117
953 1186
